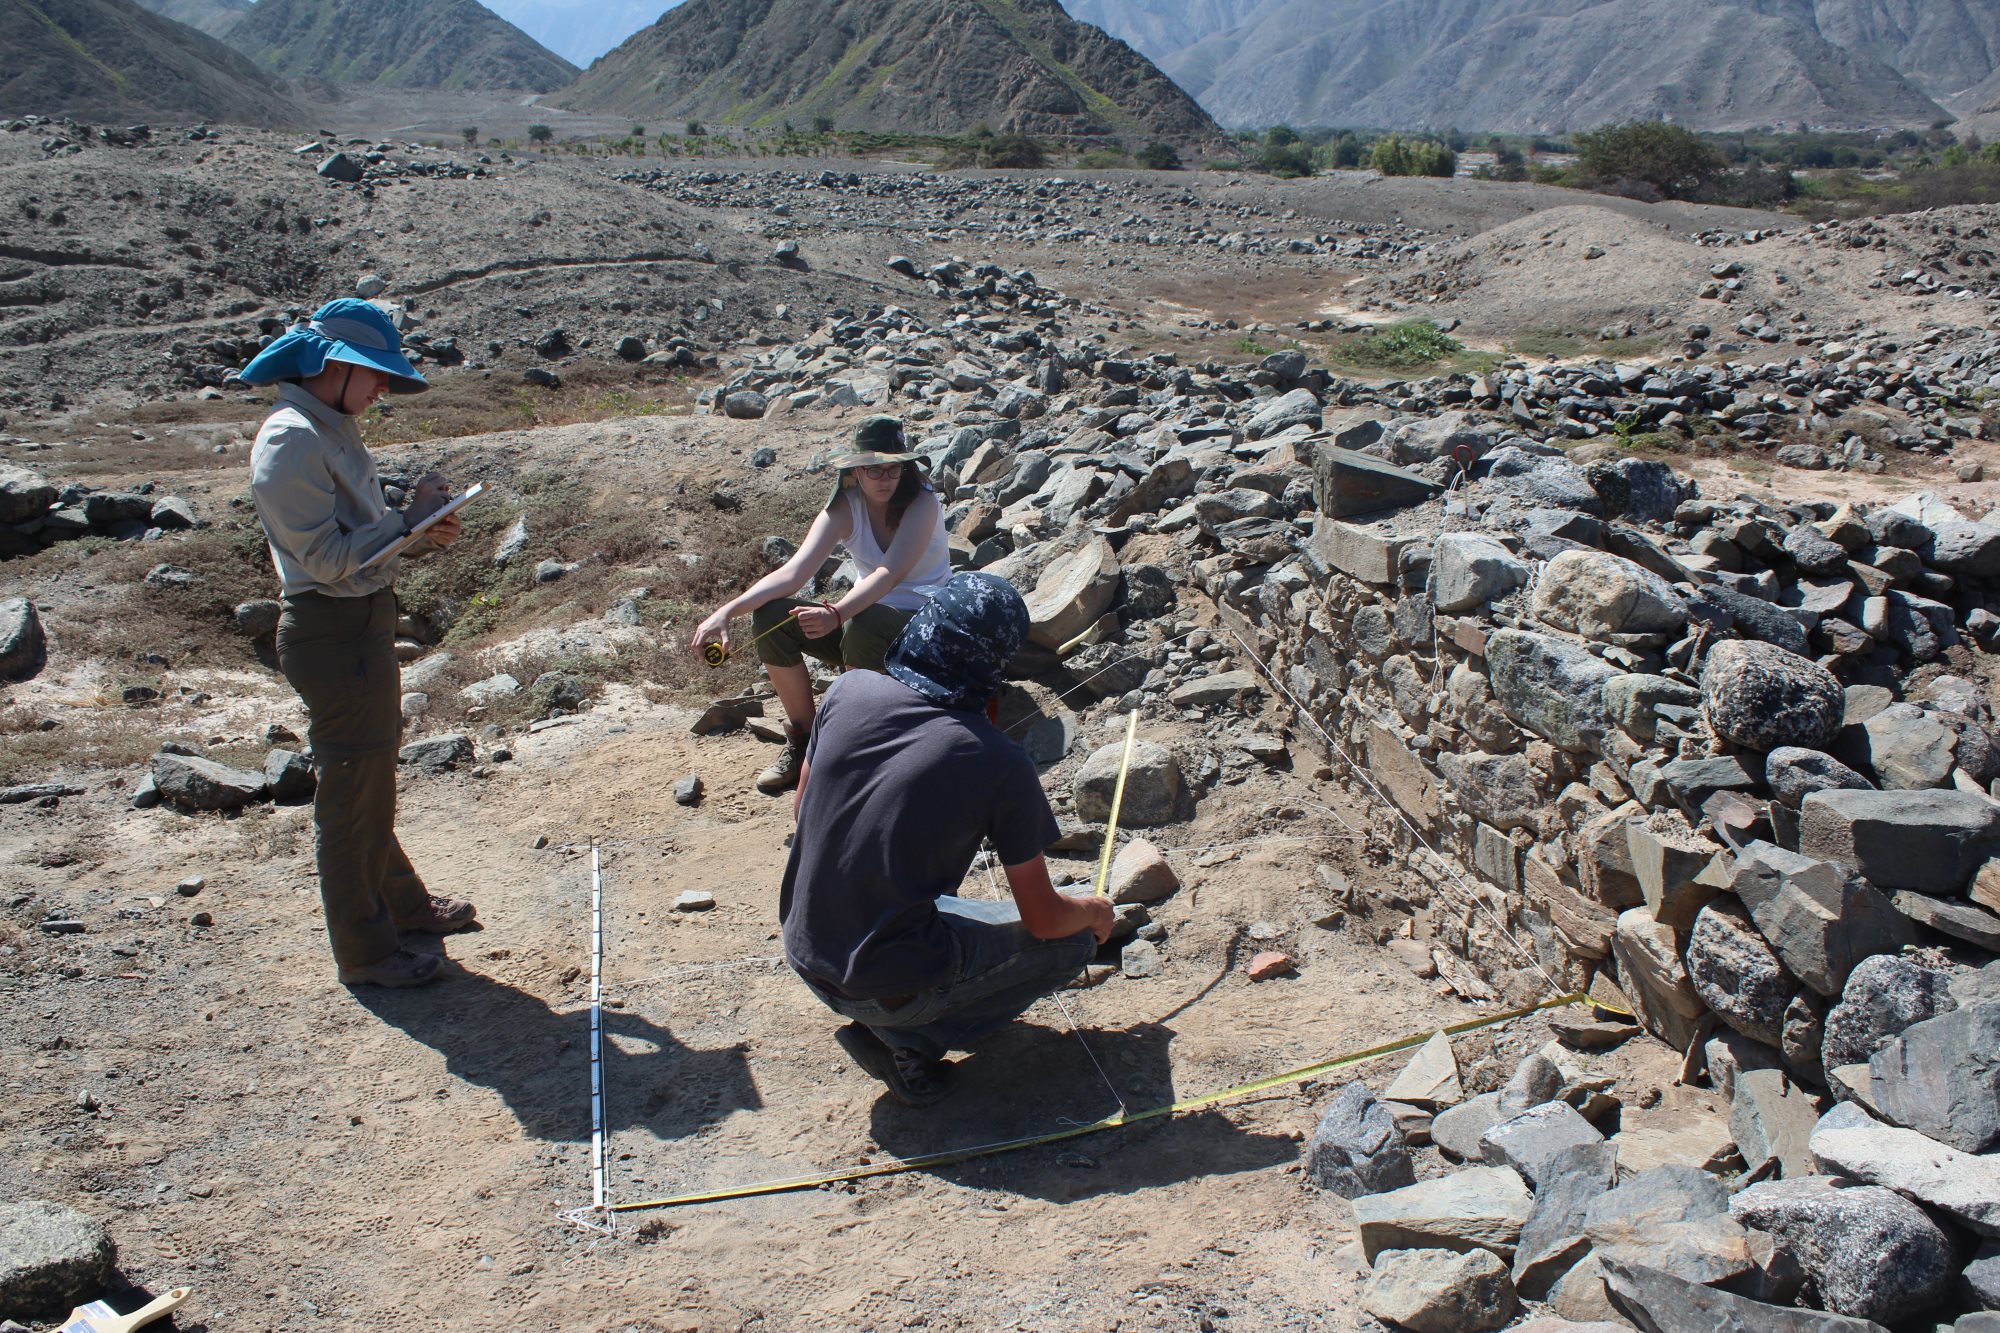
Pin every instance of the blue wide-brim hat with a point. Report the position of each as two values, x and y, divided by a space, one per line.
352 331
955 651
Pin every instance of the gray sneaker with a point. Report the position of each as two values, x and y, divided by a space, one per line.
783 775
401 968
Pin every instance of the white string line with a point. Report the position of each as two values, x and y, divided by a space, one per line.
1477 901
598 1216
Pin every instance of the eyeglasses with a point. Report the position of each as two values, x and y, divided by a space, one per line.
881 471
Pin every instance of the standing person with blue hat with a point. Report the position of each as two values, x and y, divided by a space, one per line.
320 501
906 775
886 516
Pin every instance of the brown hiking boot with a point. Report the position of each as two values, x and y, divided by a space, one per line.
441 916
784 774
401 968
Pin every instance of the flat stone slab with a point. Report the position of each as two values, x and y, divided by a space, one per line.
1963 1185
1478 1208
1431 1078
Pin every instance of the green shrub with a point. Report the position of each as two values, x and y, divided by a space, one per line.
540 133
1410 345
1158 156
1669 160
695 129
1397 156
1288 160
822 124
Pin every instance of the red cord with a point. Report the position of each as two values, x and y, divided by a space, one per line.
838 621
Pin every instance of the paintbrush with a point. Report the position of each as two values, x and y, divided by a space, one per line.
97 1317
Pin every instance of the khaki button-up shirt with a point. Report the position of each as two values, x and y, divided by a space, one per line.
320 500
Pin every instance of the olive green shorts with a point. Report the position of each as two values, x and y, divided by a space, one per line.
862 641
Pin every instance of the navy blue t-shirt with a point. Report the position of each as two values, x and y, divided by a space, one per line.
898 798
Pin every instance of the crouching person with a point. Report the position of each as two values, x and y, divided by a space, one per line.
905 776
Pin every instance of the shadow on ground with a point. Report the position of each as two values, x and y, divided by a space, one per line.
499 1037
1027 1080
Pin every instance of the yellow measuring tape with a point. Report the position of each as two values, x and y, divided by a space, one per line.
954 1156
1117 800
715 652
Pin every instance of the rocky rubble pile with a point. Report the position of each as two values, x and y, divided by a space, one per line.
36 513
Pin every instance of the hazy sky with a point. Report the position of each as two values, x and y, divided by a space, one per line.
580 30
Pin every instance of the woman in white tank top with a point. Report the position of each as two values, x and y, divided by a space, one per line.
887 518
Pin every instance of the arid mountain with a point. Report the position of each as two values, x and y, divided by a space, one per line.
933 66
1162 27
580 30
111 60
1543 65
214 17
454 44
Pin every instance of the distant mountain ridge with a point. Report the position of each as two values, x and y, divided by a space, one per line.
1557 65
450 44
928 66
214 17
112 60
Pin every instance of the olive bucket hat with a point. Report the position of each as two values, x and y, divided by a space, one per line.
877 440
351 331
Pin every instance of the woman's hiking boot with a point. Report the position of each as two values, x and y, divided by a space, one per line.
783 775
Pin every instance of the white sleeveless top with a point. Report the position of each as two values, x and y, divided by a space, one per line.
932 570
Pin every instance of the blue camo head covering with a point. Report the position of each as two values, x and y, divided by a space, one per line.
955 651
351 331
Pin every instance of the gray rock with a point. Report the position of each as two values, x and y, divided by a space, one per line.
1794 773
1752 617
1458 1130
1355 1150
1072 593
688 790
1650 970
1928 841
1909 749
1140 958
1963 1186
1498 790
1961 921
437 754
1470 569
1729 1055
164 577
23 495
1659 1302
1478 1208
1820 920
1827 1226
1536 480
1532 1141
1737 974
1537 1079
1297 408
1552 687
23 645
258 618
1812 552
1971 550
341 167
1883 996
1288 364
1223 687
512 543
289 776
1436 1291
1426 439
1941 1077
52 1257
1347 483
1597 595
1632 1211
1804 1035
1982 1282
491 690
1771 1118
188 782
1431 1078
1632 701
1152 785
1553 1240
1763 697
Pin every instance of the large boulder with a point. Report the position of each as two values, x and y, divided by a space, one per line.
1820 920
1909 749
24 495
1297 408
1971 550
52 1257
23 645
1152 785
1072 593
187 782
1650 970
1438 1291
1828 1227
1470 569
1597 595
1532 1141
1927 841
1965 1187
1552 687
1884 996
1356 1150
1794 773
1761 696
1737 974
1941 1077
1553 1239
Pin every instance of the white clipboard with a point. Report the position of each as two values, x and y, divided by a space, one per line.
409 539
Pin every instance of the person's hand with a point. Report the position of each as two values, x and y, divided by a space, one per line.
1101 915
817 621
715 629
433 492
443 532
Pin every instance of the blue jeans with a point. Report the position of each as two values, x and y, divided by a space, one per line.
997 971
